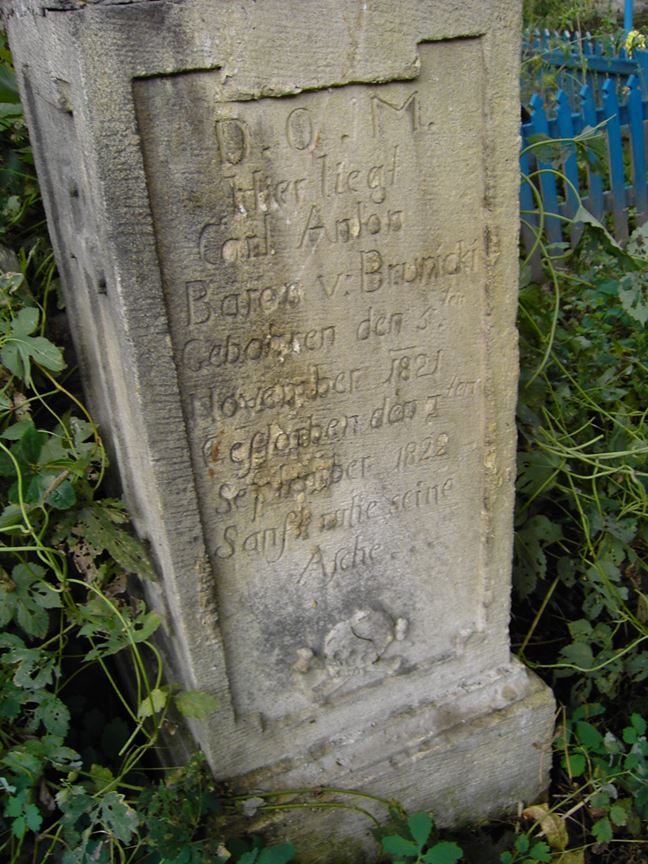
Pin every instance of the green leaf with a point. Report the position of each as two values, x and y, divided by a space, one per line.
583 215
62 757
33 819
33 597
396 845
53 714
26 321
101 776
618 815
16 431
420 826
195 703
74 802
639 723
540 852
602 830
153 703
576 762
31 444
630 735
248 857
20 348
522 843
118 816
443 853
530 541
63 496
578 654
279 854
589 736
11 518
97 525
633 293
580 629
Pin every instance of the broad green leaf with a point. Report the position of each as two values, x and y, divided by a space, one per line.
633 293
279 854
639 723
630 735
97 526
248 857
53 714
16 805
11 518
26 321
19 827
540 852
583 215
74 802
9 88
396 845
153 703
21 762
16 431
118 816
580 628
443 853
33 819
63 497
58 754
588 735
579 654
33 597
31 444
101 776
575 763
602 830
195 703
20 348
7 601
618 815
420 826
522 843
7 465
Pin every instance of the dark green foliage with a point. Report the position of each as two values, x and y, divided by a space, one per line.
581 521
416 842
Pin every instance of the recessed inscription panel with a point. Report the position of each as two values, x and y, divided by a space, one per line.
322 261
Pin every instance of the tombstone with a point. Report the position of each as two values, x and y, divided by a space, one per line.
287 234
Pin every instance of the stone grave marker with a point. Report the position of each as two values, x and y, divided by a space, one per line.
287 234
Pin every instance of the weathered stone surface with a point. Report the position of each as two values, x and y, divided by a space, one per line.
288 232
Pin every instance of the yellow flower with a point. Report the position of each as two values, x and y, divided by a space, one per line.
634 39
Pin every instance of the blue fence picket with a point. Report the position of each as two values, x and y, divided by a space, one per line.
594 201
611 113
637 144
546 176
565 129
528 206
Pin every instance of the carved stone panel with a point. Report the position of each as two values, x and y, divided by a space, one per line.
325 293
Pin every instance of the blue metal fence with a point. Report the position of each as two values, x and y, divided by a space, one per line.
607 92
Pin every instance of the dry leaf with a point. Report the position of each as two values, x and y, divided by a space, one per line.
552 825
576 856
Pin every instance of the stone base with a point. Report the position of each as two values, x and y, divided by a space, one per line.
471 755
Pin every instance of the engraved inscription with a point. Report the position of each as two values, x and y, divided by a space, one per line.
323 267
